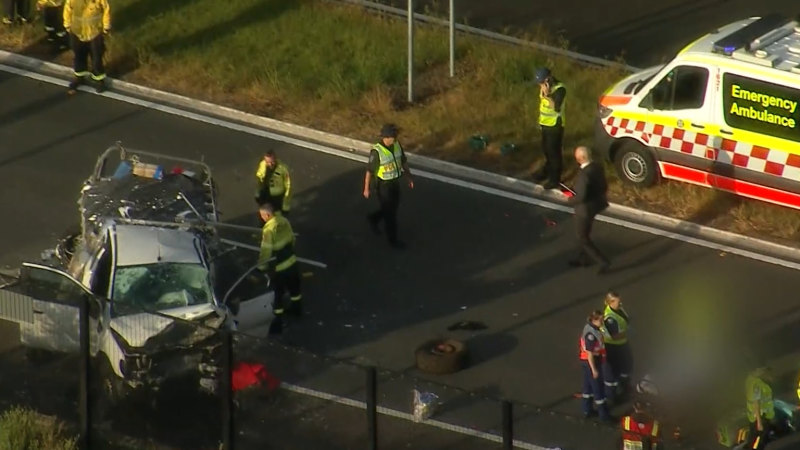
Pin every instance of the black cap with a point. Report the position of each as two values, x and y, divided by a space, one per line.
389 130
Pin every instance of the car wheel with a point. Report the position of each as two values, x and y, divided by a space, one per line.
441 356
636 165
106 383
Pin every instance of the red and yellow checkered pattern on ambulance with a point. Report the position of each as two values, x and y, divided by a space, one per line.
724 113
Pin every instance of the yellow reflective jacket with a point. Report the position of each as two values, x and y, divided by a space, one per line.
279 182
87 19
759 396
277 237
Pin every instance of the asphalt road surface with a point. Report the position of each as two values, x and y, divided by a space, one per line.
644 32
471 256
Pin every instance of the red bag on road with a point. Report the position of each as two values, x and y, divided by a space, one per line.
249 374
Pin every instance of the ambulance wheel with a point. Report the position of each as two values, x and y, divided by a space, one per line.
636 165
441 356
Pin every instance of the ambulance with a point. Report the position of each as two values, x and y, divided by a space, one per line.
724 114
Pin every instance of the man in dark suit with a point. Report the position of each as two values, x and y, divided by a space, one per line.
589 200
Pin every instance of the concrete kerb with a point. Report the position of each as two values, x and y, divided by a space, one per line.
551 200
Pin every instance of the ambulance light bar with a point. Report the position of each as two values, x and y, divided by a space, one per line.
746 35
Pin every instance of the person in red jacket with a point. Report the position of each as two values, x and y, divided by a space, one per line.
640 431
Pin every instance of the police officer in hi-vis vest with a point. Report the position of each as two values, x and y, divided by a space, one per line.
618 350
387 164
551 122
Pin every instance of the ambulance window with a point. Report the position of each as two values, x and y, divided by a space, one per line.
684 87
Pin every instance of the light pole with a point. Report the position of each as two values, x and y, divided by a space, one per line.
452 39
410 51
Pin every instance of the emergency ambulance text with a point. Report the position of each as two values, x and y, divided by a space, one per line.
766 101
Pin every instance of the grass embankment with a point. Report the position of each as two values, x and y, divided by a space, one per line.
340 69
24 429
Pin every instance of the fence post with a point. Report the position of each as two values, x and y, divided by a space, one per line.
226 391
372 408
84 372
508 426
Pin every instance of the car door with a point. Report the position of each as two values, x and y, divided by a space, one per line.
250 300
46 305
680 107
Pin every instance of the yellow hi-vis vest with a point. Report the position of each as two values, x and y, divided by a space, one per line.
86 19
758 393
622 324
277 237
390 161
548 116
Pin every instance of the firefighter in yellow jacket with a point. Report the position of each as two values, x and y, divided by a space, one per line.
277 257
87 22
274 183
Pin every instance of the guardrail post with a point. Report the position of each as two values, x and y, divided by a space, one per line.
84 372
508 426
226 391
372 408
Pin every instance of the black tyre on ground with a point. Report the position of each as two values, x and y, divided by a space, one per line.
442 356
636 165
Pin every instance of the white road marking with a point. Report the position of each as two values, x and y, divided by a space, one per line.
401 415
421 173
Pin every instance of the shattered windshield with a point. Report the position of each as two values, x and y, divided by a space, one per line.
160 286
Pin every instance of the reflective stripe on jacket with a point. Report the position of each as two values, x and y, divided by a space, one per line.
390 165
622 325
49 3
548 116
636 432
87 19
277 237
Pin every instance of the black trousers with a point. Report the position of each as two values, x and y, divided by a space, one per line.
283 281
620 361
388 193
54 23
16 8
81 49
586 248
552 138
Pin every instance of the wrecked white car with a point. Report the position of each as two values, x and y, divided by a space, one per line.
148 251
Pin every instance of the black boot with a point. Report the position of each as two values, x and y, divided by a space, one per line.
296 308
100 86
73 85
276 327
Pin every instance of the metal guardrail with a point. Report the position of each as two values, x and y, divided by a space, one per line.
493 35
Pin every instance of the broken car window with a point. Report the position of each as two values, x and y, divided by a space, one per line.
161 286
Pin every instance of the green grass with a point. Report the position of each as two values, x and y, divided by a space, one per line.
341 69
24 429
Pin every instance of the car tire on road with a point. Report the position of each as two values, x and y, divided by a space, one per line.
441 356
635 164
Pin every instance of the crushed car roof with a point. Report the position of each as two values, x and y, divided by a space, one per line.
140 244
136 197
